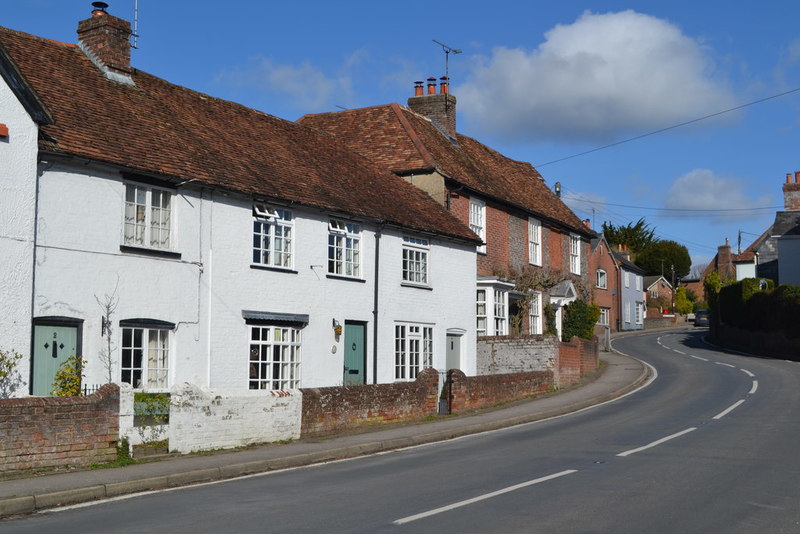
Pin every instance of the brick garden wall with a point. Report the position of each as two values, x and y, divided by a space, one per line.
55 431
576 358
334 409
469 392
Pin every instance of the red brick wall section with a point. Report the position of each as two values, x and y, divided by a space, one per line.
470 392
57 431
335 409
576 359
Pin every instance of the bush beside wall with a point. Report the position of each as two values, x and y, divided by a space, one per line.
40 432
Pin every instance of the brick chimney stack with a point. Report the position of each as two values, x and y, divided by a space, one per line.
791 192
725 266
438 107
105 39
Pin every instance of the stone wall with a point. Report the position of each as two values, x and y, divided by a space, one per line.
469 392
524 354
55 431
203 419
334 409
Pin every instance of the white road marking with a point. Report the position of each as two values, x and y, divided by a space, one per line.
657 442
679 352
754 388
725 364
729 409
698 358
467 502
748 373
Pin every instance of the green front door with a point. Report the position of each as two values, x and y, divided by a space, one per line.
52 345
355 338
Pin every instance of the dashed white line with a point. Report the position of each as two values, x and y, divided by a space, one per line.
725 364
467 502
728 410
748 373
754 388
699 358
679 352
657 442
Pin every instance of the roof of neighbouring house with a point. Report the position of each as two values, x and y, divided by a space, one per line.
405 142
650 280
165 130
626 263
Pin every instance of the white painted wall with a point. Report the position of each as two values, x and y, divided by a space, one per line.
17 194
204 419
745 270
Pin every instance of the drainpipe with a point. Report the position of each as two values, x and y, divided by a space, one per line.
39 173
375 305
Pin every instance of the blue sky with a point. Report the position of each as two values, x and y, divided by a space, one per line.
537 81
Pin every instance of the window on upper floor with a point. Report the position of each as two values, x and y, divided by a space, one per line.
413 350
638 283
477 220
535 314
575 254
344 248
601 279
654 292
273 237
626 279
145 357
148 217
274 357
415 260
534 241
481 312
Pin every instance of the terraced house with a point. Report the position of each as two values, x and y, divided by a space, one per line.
238 250
535 249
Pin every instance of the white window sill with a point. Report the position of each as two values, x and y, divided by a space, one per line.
145 251
272 268
416 285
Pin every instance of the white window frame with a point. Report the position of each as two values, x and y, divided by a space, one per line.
273 237
602 279
638 283
575 254
481 318
415 261
626 311
477 220
148 215
413 349
344 248
500 304
275 357
639 313
535 314
605 317
534 241
626 278
149 369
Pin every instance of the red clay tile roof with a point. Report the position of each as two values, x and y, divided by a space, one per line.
403 141
160 128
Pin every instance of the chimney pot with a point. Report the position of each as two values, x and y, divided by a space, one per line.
431 86
445 85
788 177
99 9
797 177
418 88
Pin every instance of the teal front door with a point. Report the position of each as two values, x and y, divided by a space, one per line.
52 345
355 355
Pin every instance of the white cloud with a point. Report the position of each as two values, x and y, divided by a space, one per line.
702 189
600 77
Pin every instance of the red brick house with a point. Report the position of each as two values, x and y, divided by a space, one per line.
535 250
605 293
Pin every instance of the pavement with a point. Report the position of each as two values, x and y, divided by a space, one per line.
620 375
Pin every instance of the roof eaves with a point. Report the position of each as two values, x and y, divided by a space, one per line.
22 90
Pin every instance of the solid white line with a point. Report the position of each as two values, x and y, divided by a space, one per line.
725 364
698 358
748 373
754 388
657 442
509 489
728 410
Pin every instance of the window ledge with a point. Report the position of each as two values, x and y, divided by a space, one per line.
418 286
271 268
160 253
343 277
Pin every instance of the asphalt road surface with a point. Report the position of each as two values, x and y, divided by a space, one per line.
711 445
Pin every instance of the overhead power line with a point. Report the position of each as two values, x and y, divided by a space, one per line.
722 210
712 115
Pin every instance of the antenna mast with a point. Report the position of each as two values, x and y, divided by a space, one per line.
447 50
135 34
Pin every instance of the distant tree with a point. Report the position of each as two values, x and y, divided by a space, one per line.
682 303
661 257
637 236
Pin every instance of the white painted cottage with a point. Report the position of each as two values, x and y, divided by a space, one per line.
238 250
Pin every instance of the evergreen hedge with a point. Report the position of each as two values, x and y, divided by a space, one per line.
746 305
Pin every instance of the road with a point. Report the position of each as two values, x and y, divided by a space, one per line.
711 445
